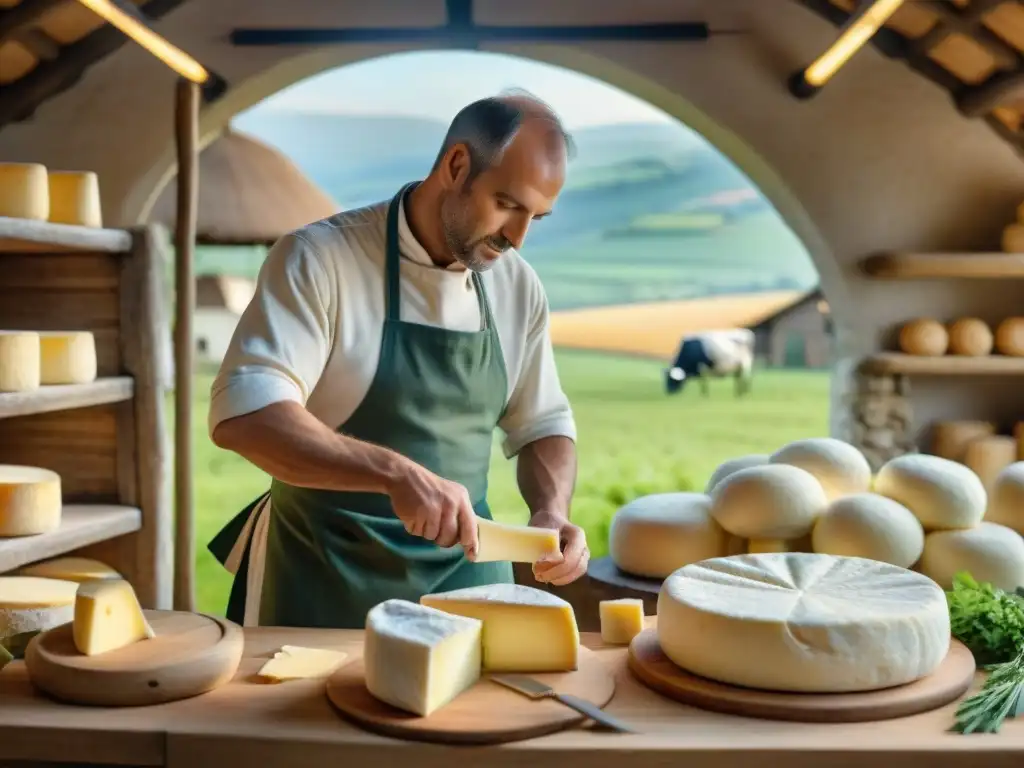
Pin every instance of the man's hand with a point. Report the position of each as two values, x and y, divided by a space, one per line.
434 508
572 563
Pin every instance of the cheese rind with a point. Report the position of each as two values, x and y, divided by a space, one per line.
107 617
418 658
621 620
871 526
67 357
30 605
24 191
74 198
803 622
989 552
942 494
297 663
19 361
514 543
776 501
30 500
838 466
76 569
524 629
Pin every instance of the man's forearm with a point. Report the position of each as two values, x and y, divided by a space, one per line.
290 444
546 472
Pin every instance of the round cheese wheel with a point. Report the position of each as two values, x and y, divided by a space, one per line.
19 361
24 191
838 466
924 337
1013 237
775 501
970 336
730 466
951 438
803 622
988 456
941 493
67 357
75 198
1006 502
989 552
78 569
30 604
654 535
30 500
871 526
1010 337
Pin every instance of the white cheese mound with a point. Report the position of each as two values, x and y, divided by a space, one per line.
989 552
775 501
803 622
731 466
942 494
871 526
839 467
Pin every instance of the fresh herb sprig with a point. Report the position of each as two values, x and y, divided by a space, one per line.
999 698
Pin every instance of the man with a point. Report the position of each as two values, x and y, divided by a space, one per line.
366 377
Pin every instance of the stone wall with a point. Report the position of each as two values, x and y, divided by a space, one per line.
879 417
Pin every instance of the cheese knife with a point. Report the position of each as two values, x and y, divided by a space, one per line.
534 689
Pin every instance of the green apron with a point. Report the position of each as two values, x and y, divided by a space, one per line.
330 556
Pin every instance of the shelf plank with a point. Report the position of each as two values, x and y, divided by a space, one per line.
947 365
905 266
63 397
26 235
81 525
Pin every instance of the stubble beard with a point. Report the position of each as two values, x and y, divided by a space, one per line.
457 238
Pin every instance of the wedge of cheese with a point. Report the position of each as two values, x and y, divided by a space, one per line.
29 605
30 500
77 569
621 620
524 629
514 543
417 658
107 617
295 663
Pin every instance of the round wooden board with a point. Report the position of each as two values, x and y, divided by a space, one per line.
487 713
191 654
605 571
654 669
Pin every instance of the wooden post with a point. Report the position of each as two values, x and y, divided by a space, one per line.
186 123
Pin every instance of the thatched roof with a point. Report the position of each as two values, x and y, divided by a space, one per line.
249 193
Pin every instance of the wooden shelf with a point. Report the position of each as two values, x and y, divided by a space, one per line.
26 235
64 397
947 365
905 266
81 525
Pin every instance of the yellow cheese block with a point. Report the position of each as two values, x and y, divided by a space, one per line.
107 617
30 500
75 198
78 569
24 191
29 604
295 663
621 620
514 543
67 357
524 629
19 361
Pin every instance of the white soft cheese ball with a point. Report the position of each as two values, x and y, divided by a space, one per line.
1006 501
654 535
774 501
989 552
871 526
839 467
942 494
731 466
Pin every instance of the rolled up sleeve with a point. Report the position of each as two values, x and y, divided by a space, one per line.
283 338
538 407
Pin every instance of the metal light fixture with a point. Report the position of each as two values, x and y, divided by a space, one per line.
858 30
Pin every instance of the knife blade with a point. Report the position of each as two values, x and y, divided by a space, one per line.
535 689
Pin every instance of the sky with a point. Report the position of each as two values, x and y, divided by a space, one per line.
436 84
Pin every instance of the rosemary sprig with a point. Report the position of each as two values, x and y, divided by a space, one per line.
1000 697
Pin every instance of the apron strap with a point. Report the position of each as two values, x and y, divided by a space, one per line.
392 262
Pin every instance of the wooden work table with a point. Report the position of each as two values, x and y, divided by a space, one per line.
292 725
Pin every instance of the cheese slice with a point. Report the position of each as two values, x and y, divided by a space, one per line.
19 361
514 543
295 663
803 622
417 658
30 500
75 198
621 620
525 629
107 617
29 605
67 357
71 569
24 191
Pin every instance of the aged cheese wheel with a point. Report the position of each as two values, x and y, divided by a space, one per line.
988 456
655 535
838 466
75 198
19 361
970 336
30 500
78 569
29 604
1006 500
941 493
1010 337
924 337
989 552
24 191
67 357
775 501
730 466
871 526
1013 238
951 438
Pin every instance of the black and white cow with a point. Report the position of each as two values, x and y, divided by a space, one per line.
713 354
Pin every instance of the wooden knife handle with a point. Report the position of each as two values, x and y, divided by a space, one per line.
595 713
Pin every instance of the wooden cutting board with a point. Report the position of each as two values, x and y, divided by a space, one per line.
191 654
948 683
487 713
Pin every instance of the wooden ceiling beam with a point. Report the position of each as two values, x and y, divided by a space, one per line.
41 45
25 16
967 22
1001 88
